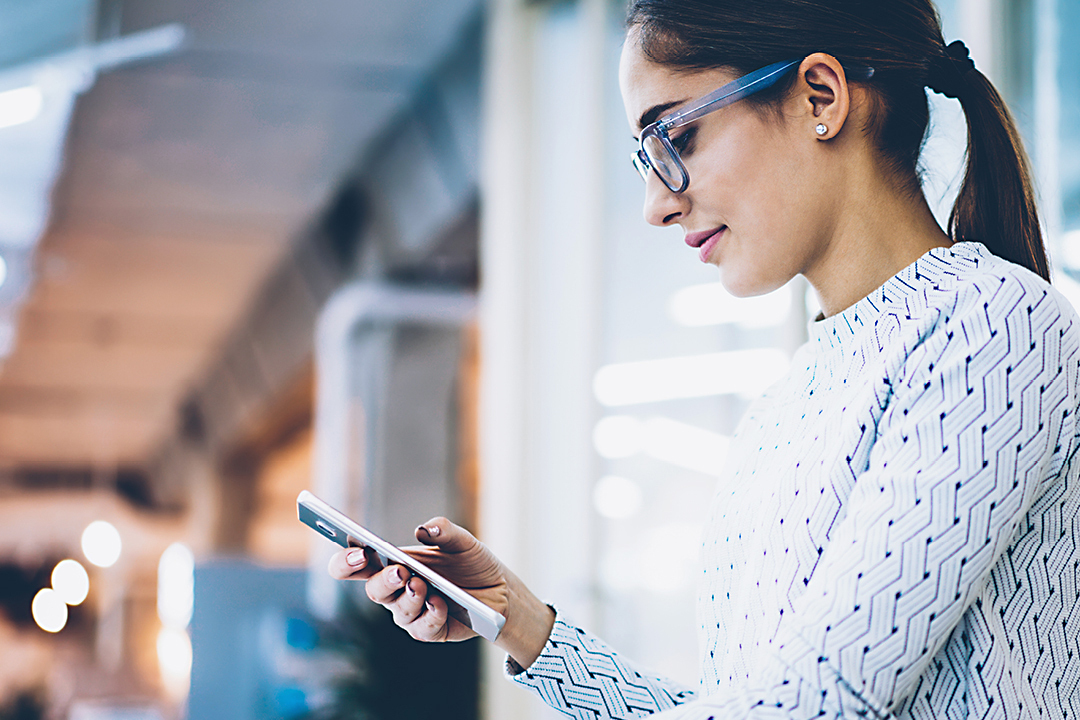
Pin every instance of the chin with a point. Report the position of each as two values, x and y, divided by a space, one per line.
739 285
742 285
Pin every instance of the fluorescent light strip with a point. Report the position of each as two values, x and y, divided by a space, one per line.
682 445
711 304
618 436
20 106
739 371
686 446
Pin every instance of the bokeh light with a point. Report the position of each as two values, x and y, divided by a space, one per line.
176 586
71 581
49 610
101 543
174 659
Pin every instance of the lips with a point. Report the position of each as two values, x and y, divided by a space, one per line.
705 241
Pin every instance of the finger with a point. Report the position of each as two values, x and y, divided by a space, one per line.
431 625
445 535
353 564
438 623
384 586
409 604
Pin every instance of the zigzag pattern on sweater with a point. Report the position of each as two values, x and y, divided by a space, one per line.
895 535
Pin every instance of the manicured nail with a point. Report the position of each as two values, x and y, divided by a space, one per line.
429 606
394 576
409 589
356 558
432 530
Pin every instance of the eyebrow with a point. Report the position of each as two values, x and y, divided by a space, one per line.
650 116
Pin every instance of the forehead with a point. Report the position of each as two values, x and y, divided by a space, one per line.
645 84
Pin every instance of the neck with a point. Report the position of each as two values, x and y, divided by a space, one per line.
881 229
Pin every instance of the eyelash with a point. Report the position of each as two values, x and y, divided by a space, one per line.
683 141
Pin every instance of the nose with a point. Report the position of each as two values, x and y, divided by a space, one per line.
663 207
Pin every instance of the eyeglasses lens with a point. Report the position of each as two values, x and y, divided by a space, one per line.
641 164
666 166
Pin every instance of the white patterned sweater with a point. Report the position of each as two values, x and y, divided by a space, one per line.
896 531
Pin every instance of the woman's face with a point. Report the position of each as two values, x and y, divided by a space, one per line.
758 205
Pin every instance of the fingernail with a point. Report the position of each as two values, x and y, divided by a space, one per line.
394 576
356 558
409 588
429 606
432 530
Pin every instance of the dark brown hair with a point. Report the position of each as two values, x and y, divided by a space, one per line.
902 41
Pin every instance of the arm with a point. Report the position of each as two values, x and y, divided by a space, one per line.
578 672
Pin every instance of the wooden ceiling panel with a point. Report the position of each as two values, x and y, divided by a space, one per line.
41 324
109 367
102 437
148 275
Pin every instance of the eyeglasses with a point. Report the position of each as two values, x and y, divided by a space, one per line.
656 152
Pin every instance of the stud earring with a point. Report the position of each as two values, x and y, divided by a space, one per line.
821 129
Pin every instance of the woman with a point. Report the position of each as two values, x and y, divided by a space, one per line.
901 537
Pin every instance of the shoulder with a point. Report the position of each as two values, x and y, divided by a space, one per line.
972 286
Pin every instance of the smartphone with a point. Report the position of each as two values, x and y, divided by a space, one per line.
337 527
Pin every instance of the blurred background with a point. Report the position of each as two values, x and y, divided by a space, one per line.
393 253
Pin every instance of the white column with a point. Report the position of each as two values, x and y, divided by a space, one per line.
539 304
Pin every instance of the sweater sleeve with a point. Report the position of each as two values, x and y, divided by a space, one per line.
978 423
580 676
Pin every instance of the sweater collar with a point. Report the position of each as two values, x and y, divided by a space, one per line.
838 330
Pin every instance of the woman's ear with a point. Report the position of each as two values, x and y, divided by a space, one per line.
823 93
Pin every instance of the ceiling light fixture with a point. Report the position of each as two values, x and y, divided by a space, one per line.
746 372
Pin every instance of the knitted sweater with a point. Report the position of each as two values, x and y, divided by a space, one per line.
896 532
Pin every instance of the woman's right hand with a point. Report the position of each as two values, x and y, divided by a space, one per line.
455 554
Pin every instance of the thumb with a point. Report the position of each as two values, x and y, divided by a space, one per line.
445 535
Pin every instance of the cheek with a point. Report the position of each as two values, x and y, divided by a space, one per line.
750 176
760 191
760 185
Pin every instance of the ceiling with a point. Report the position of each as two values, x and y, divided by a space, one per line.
185 179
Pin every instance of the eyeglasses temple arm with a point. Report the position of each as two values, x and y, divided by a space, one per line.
730 93
745 86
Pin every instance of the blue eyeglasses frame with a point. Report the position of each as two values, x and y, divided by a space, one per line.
655 135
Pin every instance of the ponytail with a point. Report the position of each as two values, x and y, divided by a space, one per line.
996 203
